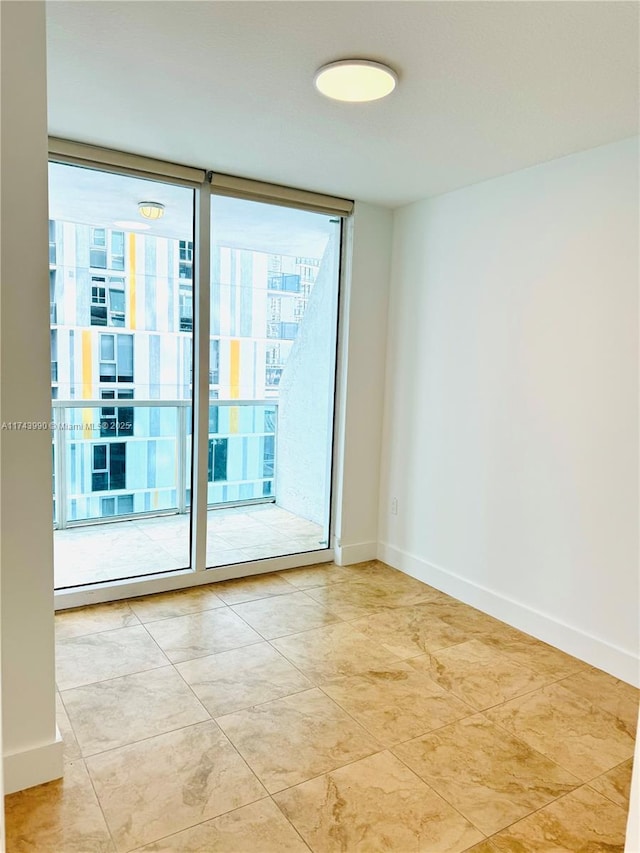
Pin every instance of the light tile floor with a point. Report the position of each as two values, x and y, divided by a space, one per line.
135 547
325 709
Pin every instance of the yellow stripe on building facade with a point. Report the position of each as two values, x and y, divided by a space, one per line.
234 384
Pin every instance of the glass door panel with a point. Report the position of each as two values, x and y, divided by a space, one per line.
274 297
121 311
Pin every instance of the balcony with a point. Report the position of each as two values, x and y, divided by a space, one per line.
122 488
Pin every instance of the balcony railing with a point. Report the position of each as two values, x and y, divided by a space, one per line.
124 458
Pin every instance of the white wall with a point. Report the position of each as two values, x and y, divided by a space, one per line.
32 752
511 413
362 336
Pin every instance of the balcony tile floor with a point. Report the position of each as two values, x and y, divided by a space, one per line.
325 709
135 547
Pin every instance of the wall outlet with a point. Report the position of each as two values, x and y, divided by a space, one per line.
394 506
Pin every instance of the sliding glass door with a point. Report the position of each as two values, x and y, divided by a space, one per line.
273 314
121 312
123 291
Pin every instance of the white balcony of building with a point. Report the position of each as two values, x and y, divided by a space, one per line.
122 489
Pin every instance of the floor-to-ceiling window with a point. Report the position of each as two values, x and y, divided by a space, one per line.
121 356
124 294
273 311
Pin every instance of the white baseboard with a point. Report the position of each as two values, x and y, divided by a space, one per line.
593 650
347 555
33 766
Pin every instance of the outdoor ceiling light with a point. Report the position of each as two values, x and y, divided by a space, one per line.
355 80
151 209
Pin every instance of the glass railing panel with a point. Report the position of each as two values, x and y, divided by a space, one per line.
119 486
241 451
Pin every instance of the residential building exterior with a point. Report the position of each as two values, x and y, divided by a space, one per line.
121 309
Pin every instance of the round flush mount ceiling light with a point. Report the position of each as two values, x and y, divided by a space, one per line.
151 209
355 80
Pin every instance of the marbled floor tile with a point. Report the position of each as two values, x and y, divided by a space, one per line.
375 805
70 744
478 674
59 817
490 777
231 681
284 614
609 693
258 828
183 602
571 731
377 571
379 574
483 847
532 653
292 739
123 710
165 784
580 822
409 631
354 599
396 703
251 588
186 637
91 620
463 617
96 657
333 651
616 784
320 575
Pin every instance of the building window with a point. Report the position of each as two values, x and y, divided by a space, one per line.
214 362
288 331
98 256
52 242
116 358
299 308
107 301
273 376
217 467
185 298
53 305
117 250
118 505
98 302
54 355
116 420
98 248
108 471
282 331
185 266
275 309
284 281
273 355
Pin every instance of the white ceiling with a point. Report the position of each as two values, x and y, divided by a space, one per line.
485 88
